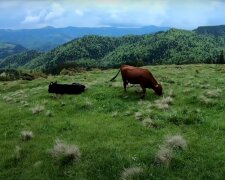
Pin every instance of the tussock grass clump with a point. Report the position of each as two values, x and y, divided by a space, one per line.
171 93
115 114
213 93
164 156
130 173
87 104
164 103
27 135
127 113
17 153
206 101
24 103
49 113
176 142
165 153
149 123
138 116
37 109
66 153
7 98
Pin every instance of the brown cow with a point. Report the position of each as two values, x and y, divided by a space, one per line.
135 75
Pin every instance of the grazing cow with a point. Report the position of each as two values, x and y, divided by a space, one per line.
74 88
135 75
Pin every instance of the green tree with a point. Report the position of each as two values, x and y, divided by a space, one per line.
221 58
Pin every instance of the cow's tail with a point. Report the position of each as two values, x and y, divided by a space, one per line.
115 76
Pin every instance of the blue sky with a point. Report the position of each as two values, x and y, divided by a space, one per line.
186 14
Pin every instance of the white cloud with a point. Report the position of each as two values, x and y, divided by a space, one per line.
56 11
95 13
30 19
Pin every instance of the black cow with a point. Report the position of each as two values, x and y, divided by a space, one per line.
74 88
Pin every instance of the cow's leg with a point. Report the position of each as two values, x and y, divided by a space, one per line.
144 91
125 83
125 86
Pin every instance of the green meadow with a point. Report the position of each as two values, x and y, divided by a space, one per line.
105 133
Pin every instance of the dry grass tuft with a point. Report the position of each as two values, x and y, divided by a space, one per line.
171 93
164 156
65 152
49 113
27 135
176 141
138 116
129 173
87 104
24 103
164 103
206 101
115 114
7 98
37 109
213 93
17 152
149 123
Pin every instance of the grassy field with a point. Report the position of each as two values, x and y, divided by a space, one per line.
105 133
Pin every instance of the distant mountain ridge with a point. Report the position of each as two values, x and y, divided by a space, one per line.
47 38
212 30
174 46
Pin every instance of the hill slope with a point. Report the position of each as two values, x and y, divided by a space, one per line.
7 49
114 130
19 60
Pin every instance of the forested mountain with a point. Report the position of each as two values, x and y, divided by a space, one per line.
211 30
85 50
174 46
171 47
7 49
20 59
48 38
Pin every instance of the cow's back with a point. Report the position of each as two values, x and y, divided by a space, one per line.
136 75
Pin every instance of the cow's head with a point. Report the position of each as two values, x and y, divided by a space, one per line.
158 89
51 87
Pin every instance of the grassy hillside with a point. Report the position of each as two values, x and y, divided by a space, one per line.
106 131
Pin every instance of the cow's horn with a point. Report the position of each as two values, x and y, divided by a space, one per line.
157 85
